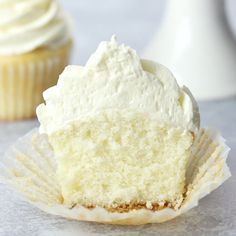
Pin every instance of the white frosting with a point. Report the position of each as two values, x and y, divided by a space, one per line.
29 24
115 78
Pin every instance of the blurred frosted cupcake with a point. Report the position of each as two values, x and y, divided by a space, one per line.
35 44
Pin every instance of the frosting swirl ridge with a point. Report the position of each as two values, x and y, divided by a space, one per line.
26 25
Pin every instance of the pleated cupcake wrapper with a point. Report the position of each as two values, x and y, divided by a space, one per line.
23 80
29 168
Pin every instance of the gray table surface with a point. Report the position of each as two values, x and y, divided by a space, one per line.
216 214
134 24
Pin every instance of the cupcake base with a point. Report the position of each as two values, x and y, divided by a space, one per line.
23 78
29 168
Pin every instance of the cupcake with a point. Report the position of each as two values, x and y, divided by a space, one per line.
35 44
119 142
121 129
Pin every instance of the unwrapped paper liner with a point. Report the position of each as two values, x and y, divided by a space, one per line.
29 167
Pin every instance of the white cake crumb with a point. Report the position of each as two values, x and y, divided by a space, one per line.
149 205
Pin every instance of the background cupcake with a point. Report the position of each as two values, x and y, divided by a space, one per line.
35 44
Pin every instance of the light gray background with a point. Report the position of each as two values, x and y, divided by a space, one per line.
134 22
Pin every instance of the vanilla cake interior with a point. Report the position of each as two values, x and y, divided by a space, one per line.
121 158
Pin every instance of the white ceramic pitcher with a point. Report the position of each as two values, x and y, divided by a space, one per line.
196 44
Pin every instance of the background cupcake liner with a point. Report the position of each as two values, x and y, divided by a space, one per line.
23 78
29 168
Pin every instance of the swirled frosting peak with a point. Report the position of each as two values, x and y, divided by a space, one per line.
26 25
